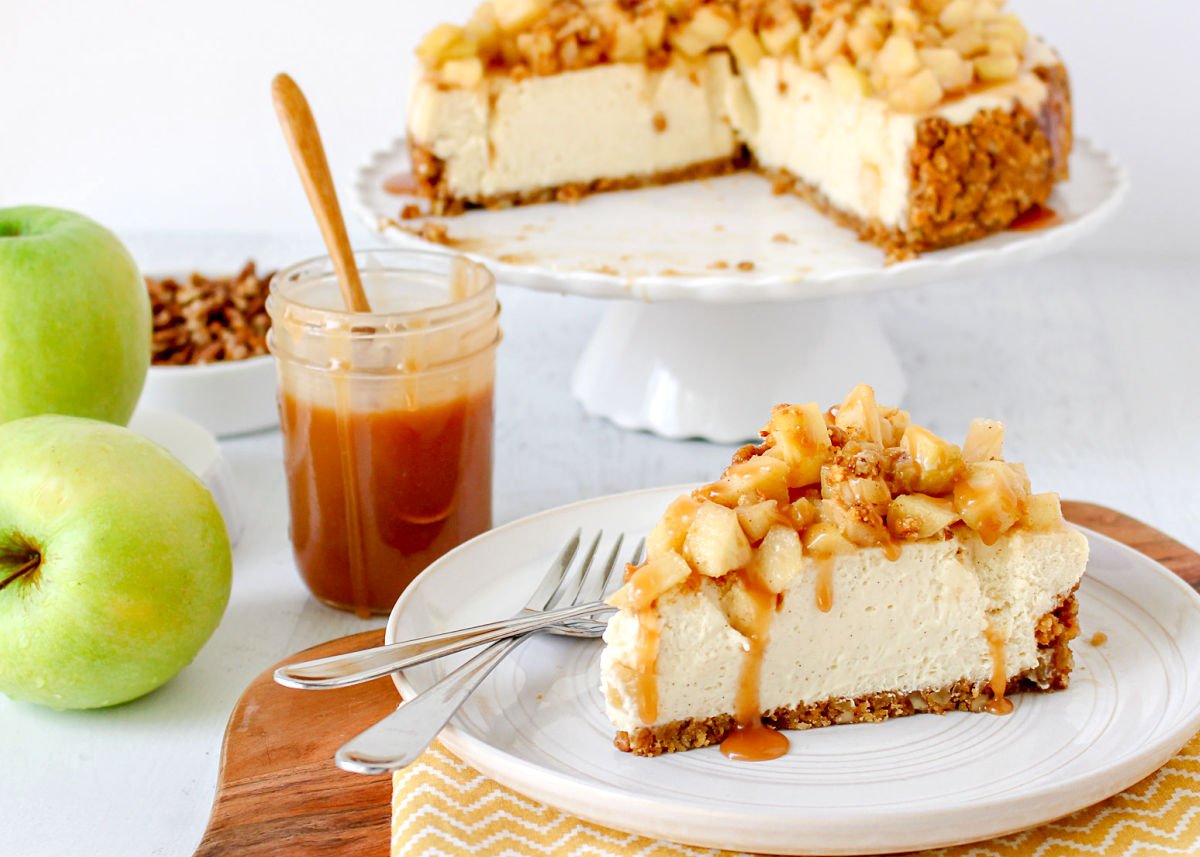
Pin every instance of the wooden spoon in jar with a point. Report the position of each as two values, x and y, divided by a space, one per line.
308 153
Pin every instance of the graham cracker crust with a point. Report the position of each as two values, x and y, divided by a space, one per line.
429 172
967 181
1054 633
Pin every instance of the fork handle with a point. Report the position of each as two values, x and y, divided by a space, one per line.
366 664
401 737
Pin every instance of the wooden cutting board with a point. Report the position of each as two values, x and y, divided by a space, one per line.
278 791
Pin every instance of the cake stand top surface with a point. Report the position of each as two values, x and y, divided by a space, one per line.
722 240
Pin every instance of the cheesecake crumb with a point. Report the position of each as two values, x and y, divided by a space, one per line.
718 265
1099 638
410 212
660 122
745 265
780 238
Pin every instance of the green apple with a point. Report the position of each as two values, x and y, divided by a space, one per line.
114 563
74 318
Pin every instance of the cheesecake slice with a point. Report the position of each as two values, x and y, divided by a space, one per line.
919 124
851 568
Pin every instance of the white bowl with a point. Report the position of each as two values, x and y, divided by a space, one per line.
227 398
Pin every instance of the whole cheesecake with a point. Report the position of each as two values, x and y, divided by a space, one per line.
851 568
919 123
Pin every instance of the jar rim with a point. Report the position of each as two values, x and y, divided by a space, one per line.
443 314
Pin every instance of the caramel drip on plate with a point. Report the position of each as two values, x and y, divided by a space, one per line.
646 659
751 741
996 642
1099 638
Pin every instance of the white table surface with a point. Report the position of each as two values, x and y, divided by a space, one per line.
1091 362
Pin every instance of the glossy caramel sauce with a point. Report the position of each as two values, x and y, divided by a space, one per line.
751 741
996 642
376 496
401 184
755 743
824 565
647 664
1037 217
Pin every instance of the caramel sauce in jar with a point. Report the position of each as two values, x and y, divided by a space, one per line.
387 419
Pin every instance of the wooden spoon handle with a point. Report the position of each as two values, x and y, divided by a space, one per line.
304 141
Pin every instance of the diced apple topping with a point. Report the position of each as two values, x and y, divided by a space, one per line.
747 50
653 578
913 54
932 465
762 477
985 441
991 498
668 534
823 484
780 29
859 417
1043 512
779 559
514 15
919 516
825 539
465 72
757 518
801 442
715 544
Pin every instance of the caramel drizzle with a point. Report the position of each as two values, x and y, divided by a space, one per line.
999 682
751 741
824 566
646 661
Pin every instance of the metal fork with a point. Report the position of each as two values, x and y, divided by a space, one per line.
577 620
400 738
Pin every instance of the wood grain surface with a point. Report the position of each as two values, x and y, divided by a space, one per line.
278 791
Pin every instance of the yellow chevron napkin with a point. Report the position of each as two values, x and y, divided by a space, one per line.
444 807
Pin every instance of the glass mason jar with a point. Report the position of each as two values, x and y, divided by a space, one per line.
386 417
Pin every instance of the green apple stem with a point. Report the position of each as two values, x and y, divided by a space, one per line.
30 565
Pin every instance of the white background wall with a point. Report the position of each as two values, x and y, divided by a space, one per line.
156 115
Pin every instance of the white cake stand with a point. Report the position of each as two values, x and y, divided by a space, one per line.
726 299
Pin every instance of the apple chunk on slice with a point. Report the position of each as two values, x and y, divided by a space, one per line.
757 478
801 442
985 441
652 579
668 534
919 516
715 544
757 518
934 464
779 558
1043 512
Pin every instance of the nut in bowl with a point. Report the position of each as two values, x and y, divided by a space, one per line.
210 360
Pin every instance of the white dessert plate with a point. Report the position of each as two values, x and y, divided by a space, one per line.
665 243
538 726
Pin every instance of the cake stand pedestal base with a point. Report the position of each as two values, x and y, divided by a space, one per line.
715 371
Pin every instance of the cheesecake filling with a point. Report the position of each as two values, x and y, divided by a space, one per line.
924 621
